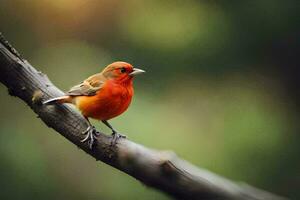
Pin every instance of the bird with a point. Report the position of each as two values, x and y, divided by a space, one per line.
102 96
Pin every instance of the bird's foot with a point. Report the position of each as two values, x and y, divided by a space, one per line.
115 137
91 136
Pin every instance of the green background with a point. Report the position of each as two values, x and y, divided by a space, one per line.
221 90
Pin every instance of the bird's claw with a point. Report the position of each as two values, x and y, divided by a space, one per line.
115 137
91 136
87 130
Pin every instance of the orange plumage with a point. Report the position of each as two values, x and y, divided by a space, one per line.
112 99
102 96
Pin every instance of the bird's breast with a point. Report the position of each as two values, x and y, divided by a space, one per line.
109 102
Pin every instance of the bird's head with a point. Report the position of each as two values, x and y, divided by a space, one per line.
121 71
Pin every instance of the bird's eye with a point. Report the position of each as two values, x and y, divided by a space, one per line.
123 70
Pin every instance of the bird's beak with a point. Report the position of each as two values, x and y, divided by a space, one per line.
136 71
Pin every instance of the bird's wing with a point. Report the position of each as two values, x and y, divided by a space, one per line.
88 87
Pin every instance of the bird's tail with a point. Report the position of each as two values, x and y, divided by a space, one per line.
59 100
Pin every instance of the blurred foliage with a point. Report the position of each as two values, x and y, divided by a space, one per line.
221 90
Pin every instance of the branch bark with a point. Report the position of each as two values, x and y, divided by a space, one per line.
162 170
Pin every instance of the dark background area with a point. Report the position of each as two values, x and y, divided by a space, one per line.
221 90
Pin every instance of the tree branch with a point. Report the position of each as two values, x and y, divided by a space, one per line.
162 170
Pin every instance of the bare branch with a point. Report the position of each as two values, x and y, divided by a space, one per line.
162 170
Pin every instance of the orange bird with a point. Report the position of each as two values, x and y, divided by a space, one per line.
102 96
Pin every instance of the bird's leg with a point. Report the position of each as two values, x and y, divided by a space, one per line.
115 134
91 134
